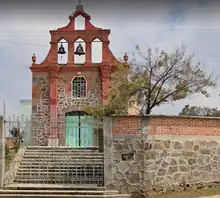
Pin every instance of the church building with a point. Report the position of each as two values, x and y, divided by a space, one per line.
59 91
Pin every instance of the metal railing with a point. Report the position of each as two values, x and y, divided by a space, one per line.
78 158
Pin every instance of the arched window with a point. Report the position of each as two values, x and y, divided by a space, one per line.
79 87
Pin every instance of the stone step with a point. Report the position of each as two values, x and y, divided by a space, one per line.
60 177
63 148
57 162
59 168
87 162
90 187
71 157
54 157
70 192
74 152
46 168
58 180
51 160
85 173
33 195
80 160
56 169
72 176
63 153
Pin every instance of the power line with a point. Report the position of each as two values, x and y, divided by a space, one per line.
20 43
12 42
37 45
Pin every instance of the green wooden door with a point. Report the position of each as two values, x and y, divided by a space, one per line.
72 130
79 130
86 131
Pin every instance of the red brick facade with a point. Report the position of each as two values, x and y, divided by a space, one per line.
169 125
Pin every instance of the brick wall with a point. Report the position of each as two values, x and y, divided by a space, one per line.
168 125
126 124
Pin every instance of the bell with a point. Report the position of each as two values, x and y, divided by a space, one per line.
79 50
61 49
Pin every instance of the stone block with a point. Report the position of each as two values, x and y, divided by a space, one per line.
184 168
212 144
187 154
167 144
205 151
172 170
158 145
152 154
162 172
177 145
189 145
123 167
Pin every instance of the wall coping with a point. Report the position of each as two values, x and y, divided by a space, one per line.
26 101
171 116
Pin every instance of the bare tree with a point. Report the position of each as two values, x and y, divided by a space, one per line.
157 79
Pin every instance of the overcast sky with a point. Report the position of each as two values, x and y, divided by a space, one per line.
160 24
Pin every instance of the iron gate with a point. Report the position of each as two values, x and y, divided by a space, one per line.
81 163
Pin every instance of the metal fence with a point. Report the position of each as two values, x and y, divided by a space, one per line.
77 158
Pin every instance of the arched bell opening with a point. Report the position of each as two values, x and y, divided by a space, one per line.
80 23
79 51
96 51
62 51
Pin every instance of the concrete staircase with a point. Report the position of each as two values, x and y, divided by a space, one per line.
59 173
58 191
61 165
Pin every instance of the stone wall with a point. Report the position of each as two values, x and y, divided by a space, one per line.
40 109
163 165
161 153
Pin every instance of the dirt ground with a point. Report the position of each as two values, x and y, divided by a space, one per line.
192 193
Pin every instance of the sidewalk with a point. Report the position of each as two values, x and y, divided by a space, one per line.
213 196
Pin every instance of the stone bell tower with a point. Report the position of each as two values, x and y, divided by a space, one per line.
61 88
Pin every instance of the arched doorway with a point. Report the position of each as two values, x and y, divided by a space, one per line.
79 129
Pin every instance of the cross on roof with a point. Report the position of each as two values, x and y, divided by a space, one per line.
79 6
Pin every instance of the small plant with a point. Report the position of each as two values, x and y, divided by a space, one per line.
18 137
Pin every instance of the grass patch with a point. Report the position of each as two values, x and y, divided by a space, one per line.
191 193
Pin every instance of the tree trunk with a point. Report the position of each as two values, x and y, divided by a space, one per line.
148 111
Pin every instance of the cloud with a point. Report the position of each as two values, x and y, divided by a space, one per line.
199 31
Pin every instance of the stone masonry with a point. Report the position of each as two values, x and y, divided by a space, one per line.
41 104
148 154
67 104
40 108
165 165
